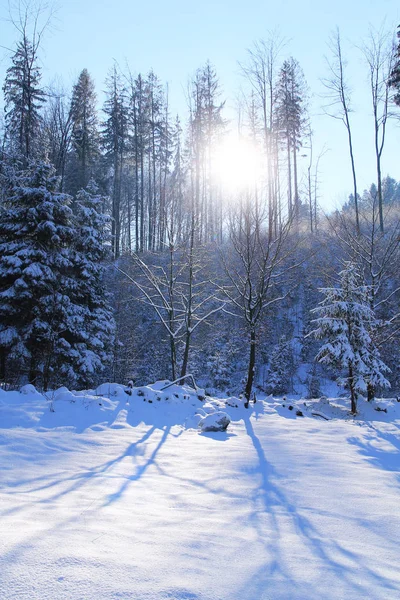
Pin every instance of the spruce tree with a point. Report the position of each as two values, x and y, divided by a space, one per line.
291 96
114 138
84 133
90 250
23 100
394 80
53 312
35 232
348 322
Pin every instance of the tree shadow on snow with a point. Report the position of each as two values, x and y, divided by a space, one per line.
269 523
72 483
381 448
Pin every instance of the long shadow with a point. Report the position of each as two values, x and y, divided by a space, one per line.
140 471
386 459
327 550
80 479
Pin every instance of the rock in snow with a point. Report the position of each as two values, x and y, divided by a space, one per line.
217 421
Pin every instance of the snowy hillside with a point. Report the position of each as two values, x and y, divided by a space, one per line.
105 495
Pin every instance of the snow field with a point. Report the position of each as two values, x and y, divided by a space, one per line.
117 497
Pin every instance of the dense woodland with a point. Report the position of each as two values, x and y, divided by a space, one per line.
124 256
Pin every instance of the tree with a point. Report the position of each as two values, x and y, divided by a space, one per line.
178 293
291 113
205 128
339 106
394 80
260 71
115 131
52 313
35 232
255 265
348 322
23 100
379 54
57 124
89 251
84 132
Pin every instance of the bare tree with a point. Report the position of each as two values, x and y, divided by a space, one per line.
379 52
57 129
260 70
256 265
339 102
178 291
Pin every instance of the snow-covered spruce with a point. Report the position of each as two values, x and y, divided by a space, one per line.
348 322
54 322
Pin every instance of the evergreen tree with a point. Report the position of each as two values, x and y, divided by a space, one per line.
52 313
280 368
348 322
35 232
115 132
84 132
23 101
291 91
394 80
89 251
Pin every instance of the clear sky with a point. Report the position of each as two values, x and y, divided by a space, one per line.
175 37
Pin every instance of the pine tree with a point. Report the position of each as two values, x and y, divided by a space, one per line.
35 232
23 101
84 132
348 322
291 92
115 133
53 314
394 80
89 251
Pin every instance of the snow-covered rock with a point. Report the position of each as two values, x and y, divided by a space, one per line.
217 421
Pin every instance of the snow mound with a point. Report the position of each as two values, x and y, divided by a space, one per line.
110 390
28 389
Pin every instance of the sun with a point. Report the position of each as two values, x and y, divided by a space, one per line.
237 164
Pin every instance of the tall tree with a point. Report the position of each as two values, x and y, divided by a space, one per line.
255 265
84 132
205 127
394 80
260 71
339 106
57 123
23 100
115 132
53 312
291 118
379 54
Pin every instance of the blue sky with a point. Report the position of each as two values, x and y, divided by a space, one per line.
176 37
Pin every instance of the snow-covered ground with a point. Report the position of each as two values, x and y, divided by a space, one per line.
105 495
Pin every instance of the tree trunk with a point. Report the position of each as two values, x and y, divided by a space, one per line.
2 364
353 394
252 366
32 377
186 353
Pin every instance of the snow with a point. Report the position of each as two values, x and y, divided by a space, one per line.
217 421
108 495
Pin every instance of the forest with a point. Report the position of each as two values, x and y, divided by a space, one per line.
136 245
